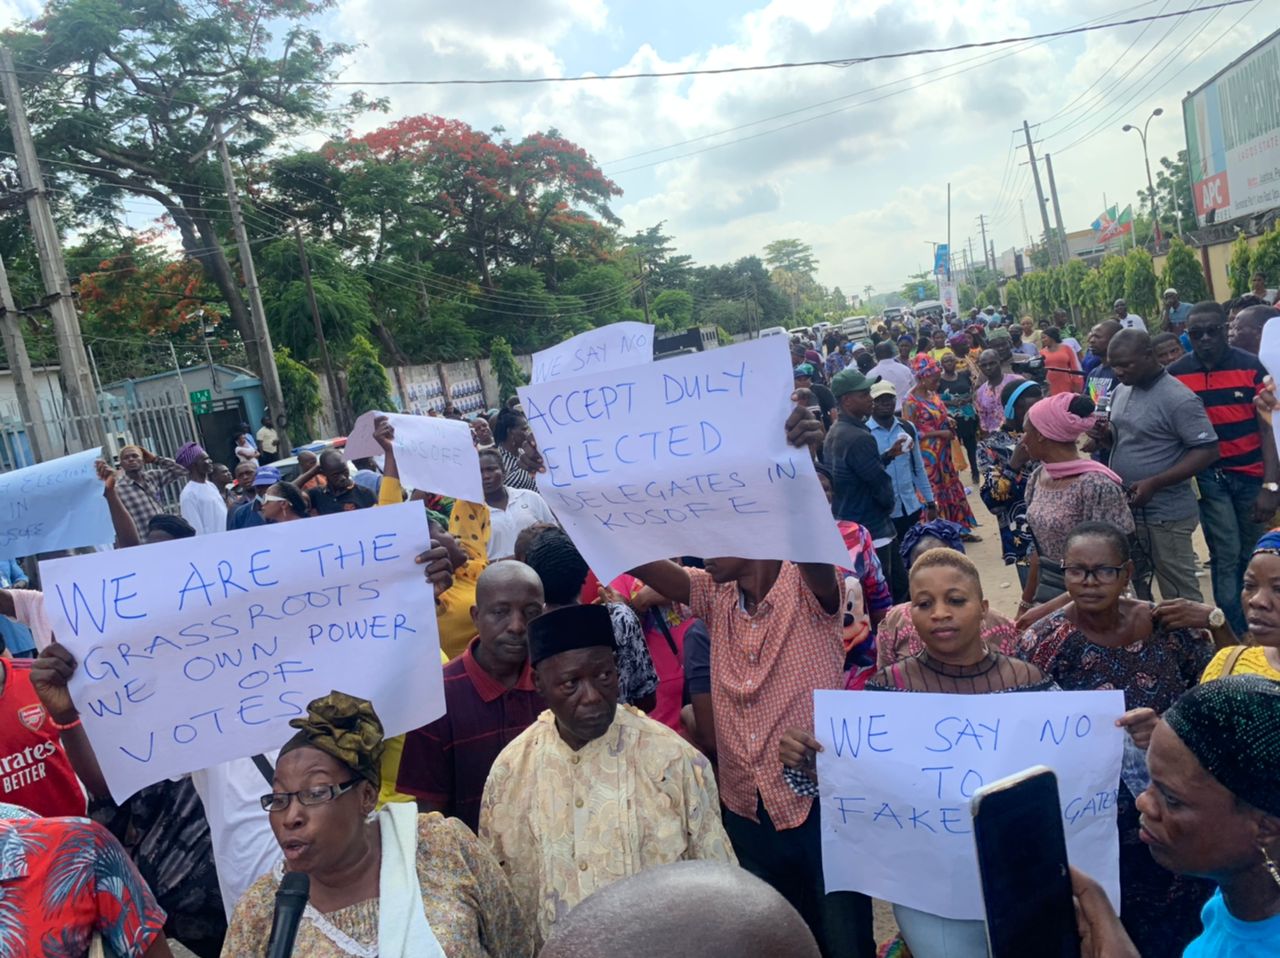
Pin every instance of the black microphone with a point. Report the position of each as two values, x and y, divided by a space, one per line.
291 899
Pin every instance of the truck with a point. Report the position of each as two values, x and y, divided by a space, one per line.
695 339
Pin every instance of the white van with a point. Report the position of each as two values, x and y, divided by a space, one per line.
773 331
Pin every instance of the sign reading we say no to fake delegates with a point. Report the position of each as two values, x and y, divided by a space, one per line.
53 506
197 651
898 770
686 456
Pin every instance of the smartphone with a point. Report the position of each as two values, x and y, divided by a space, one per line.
1022 860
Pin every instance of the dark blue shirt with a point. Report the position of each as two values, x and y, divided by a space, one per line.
862 487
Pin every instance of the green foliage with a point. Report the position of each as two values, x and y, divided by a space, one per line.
921 286
342 297
1238 265
1013 297
1113 271
1266 256
442 336
673 310
367 383
990 295
505 368
1182 271
302 403
967 296
791 256
1140 292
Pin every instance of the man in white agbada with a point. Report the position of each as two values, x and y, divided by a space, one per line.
390 884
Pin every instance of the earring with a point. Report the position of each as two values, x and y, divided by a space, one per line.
372 816
1269 863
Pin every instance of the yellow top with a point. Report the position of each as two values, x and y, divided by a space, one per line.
1252 661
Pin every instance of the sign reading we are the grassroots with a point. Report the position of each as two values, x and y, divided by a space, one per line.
897 773
687 456
198 651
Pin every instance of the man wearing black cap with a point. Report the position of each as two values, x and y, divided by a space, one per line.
863 489
592 793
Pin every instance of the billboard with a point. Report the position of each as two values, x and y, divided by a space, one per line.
1233 137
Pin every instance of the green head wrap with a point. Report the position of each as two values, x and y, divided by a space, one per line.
346 728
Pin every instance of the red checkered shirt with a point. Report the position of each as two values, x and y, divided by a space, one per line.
141 496
764 668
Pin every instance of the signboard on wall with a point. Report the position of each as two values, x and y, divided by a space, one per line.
1233 137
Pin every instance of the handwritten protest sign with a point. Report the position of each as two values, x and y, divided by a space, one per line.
1269 354
433 453
683 457
198 651
52 506
898 770
616 346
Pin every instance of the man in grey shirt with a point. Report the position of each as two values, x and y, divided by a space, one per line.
1160 436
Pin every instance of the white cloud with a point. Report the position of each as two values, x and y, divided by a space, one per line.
865 185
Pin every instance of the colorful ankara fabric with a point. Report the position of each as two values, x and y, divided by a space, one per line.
467 901
564 824
1160 910
929 414
763 674
64 879
446 762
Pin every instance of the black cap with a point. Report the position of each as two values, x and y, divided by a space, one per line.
573 627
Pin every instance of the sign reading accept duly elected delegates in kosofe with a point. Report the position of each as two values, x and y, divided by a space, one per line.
687 456
52 506
897 773
198 651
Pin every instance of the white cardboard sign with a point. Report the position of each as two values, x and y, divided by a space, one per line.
687 456
52 506
615 346
432 453
898 771
198 651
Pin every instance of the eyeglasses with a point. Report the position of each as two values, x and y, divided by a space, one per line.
315 795
1203 332
274 499
1102 574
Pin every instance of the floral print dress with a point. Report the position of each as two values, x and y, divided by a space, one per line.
1160 910
928 414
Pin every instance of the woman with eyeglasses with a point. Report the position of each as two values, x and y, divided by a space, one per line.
388 884
1103 639
285 502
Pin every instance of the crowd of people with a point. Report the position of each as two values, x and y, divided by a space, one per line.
616 756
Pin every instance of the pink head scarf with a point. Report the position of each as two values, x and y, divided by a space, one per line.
1054 419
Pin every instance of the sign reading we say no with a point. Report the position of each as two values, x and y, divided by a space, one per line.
615 346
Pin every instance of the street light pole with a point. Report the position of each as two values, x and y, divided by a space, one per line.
1151 189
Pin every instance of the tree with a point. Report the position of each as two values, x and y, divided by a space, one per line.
1266 256
665 269
508 372
1238 265
792 256
1182 271
918 287
1113 272
342 297
302 403
990 295
1013 297
1140 284
674 309
132 93
367 383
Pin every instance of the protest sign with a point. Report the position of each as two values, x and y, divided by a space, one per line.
615 346
898 771
433 453
197 651
1269 354
683 457
52 506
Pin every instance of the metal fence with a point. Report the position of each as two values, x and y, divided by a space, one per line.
161 425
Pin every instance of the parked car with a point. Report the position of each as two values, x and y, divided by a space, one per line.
856 327
773 331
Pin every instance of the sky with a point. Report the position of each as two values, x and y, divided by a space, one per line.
852 160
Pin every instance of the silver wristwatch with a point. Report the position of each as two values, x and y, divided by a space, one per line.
1217 619
1271 486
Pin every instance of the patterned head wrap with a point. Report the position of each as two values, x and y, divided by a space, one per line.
925 365
188 454
959 339
947 532
346 728
1269 544
1232 726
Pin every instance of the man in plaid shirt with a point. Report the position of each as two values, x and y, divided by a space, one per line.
139 487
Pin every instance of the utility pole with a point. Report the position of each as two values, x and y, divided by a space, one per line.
982 223
266 355
1065 252
15 348
1044 214
1022 208
968 265
339 403
644 290
77 383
